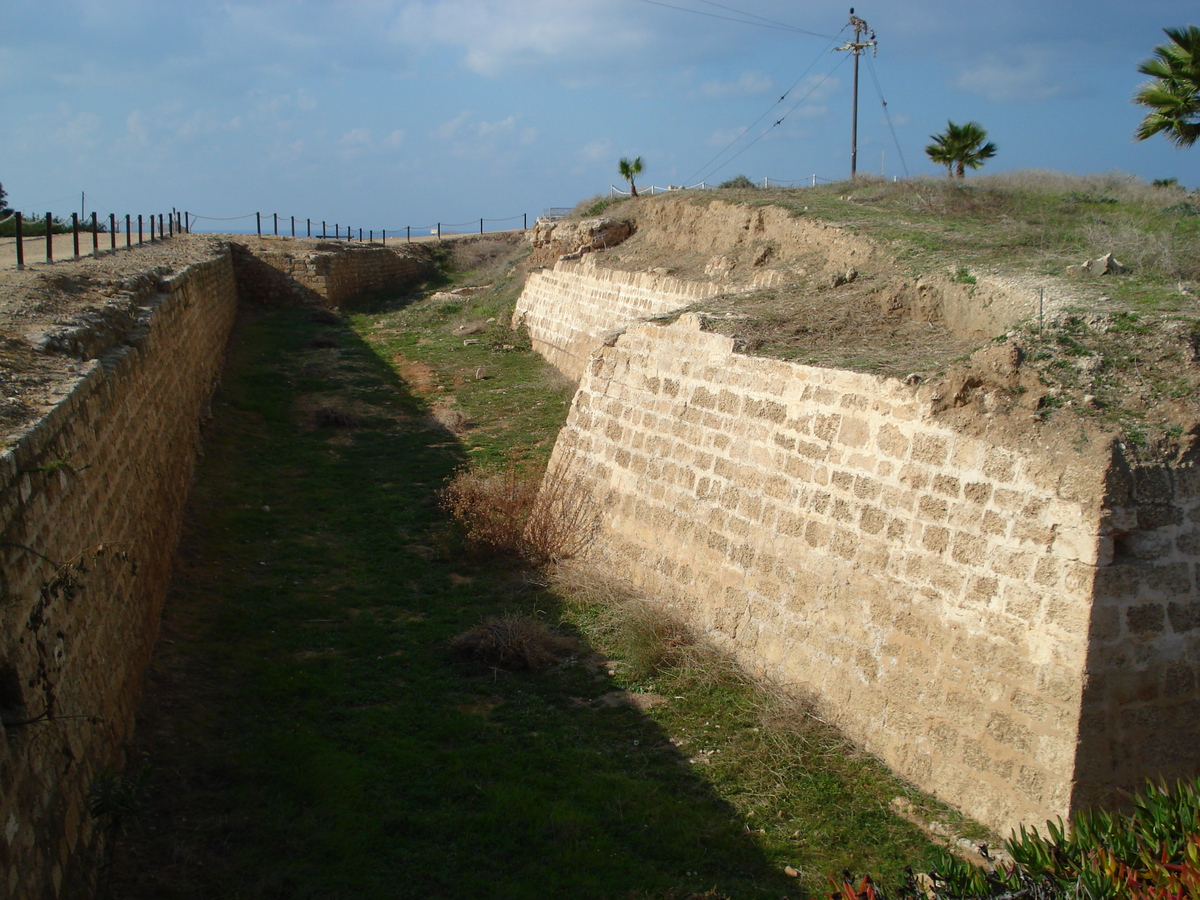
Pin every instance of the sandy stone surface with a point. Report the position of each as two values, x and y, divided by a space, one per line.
45 305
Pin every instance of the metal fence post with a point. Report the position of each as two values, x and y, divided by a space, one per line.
408 233
481 226
293 226
112 231
20 245
49 240
140 240
258 222
275 216
75 233
385 237
95 237
439 231
308 223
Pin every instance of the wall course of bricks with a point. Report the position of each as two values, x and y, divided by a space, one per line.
108 467
951 598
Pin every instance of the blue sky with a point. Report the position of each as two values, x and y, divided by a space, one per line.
388 113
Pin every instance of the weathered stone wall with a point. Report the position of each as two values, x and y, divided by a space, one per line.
571 308
299 271
101 479
933 588
1141 705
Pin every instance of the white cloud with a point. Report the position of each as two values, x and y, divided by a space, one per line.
724 136
746 85
596 152
477 140
1028 75
498 36
80 131
135 124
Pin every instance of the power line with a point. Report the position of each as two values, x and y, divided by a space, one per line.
708 167
748 128
887 116
760 18
764 23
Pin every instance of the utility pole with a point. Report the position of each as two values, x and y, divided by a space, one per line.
857 46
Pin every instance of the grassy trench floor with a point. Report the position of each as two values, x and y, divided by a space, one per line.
306 732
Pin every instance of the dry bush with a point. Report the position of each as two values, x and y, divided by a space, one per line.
518 512
492 509
563 521
512 642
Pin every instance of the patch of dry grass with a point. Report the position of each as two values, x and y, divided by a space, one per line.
520 513
512 642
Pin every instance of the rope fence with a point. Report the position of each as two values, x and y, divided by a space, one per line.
163 226
277 225
28 235
42 232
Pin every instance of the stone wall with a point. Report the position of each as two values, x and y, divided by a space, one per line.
100 481
1141 708
952 599
575 306
287 271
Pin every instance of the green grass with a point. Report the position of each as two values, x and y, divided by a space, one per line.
308 731
1020 221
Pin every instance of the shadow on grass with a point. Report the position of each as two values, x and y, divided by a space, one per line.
310 734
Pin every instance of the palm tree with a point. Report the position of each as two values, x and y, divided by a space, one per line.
1173 97
630 169
960 147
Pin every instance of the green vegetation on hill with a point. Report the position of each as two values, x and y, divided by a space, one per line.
1028 221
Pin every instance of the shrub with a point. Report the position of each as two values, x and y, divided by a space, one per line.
595 205
741 181
517 512
1150 853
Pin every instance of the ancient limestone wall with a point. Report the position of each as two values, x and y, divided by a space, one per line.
571 308
100 480
934 589
299 271
1141 707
